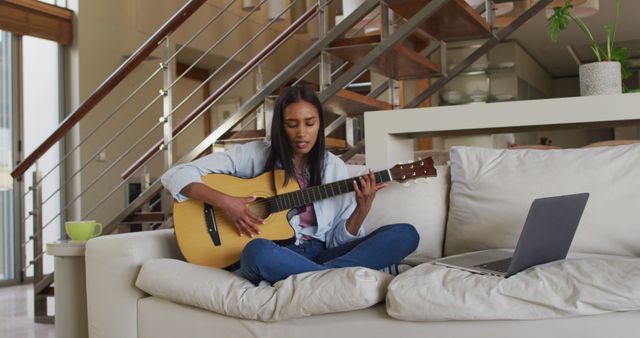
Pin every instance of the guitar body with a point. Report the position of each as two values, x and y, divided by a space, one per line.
193 232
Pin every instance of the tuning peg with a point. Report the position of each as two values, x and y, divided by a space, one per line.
419 158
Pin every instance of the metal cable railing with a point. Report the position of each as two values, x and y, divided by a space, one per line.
105 88
136 91
175 136
116 110
187 122
114 137
122 130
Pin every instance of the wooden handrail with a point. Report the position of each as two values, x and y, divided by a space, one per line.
107 86
239 75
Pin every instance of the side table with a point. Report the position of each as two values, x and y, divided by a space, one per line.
70 289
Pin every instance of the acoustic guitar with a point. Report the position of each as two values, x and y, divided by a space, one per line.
207 237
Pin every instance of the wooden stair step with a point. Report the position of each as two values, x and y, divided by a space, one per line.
455 20
346 102
145 217
335 143
49 292
43 284
398 62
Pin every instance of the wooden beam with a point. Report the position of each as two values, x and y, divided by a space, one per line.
39 19
335 143
195 73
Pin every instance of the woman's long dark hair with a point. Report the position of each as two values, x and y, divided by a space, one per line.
281 150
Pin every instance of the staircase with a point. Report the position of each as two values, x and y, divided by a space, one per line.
340 63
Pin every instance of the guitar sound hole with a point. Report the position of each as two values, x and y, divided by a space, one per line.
260 207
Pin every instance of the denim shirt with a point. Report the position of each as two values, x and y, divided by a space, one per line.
248 161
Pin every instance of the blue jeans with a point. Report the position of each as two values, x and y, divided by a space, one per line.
263 259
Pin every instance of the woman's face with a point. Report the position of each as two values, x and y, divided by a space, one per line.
302 124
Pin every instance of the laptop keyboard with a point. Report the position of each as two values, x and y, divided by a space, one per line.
500 266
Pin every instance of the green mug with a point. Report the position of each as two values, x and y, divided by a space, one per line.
83 230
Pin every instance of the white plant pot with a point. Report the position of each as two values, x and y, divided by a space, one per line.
600 78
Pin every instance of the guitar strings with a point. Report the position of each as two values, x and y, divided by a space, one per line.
311 192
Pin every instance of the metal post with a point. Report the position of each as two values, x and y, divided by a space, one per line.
325 62
386 28
260 115
488 6
145 179
39 301
350 131
444 59
169 70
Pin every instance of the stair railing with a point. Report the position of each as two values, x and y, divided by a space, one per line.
160 38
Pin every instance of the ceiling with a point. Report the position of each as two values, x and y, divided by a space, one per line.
557 60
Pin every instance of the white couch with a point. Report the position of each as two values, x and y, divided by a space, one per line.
117 308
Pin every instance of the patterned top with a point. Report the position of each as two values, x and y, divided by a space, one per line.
307 212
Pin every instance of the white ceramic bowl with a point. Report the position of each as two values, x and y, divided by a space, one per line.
478 96
451 96
504 97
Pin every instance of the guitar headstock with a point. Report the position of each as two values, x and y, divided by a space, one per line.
420 168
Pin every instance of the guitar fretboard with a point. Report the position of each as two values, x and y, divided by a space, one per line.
306 196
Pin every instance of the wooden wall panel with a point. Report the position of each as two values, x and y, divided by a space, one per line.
34 18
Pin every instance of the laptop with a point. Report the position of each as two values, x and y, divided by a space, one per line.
545 237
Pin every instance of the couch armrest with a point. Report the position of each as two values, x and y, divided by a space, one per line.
112 264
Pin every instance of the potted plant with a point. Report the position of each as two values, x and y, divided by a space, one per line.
604 76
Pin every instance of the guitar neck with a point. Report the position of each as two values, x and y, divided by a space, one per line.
316 193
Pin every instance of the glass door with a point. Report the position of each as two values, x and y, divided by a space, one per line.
7 229
41 106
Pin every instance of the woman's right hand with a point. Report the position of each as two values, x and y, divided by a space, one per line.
240 216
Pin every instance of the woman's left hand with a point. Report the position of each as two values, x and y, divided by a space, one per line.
366 192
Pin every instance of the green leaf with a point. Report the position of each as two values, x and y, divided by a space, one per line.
559 20
621 55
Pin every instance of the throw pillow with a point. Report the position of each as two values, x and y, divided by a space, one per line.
492 190
572 287
421 203
302 295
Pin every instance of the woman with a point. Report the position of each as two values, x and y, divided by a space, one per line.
328 232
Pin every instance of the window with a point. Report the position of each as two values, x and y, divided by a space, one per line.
40 117
7 238
30 109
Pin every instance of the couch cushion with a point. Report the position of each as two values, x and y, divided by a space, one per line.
572 287
223 292
492 190
421 203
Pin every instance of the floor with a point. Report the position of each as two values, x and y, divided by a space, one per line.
16 314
